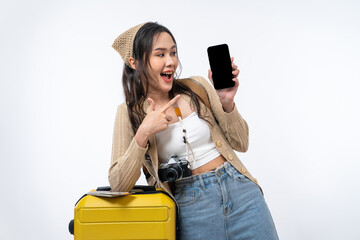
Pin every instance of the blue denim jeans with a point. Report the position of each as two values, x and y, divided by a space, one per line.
222 204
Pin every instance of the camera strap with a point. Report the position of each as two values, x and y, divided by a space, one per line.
187 144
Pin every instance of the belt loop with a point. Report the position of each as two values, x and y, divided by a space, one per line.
229 169
202 182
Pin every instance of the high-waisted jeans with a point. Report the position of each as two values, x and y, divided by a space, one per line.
222 204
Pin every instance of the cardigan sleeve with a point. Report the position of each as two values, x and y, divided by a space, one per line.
127 156
232 124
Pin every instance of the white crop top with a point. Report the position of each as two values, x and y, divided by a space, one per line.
170 141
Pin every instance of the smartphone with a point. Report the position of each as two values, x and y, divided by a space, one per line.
220 65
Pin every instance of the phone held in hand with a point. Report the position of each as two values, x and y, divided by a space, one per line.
220 65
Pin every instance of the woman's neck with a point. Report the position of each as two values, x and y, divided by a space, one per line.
159 98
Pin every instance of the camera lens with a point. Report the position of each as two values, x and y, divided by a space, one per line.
171 174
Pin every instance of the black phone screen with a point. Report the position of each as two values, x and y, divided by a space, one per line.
220 64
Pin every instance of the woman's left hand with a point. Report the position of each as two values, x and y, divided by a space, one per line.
227 95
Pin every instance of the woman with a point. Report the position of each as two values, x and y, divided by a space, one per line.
162 118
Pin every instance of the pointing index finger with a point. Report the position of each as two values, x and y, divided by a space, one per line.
170 103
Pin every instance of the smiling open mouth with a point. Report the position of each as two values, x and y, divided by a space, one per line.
166 75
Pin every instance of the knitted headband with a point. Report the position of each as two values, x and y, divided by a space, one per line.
123 44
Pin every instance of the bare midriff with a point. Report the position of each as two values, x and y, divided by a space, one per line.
213 164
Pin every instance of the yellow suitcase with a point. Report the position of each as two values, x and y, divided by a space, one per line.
146 213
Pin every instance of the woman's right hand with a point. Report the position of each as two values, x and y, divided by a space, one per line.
154 122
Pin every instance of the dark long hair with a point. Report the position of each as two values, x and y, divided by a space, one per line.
136 82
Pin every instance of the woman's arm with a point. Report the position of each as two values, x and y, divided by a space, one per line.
232 124
127 156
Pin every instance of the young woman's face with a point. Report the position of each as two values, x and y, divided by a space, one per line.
163 63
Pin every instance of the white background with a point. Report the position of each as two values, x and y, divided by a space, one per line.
299 84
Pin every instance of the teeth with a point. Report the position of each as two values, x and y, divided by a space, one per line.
167 73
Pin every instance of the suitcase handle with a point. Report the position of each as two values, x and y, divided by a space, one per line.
106 188
144 188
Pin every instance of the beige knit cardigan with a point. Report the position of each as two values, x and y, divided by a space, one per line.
229 131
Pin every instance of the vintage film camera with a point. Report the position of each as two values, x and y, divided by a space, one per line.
174 169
